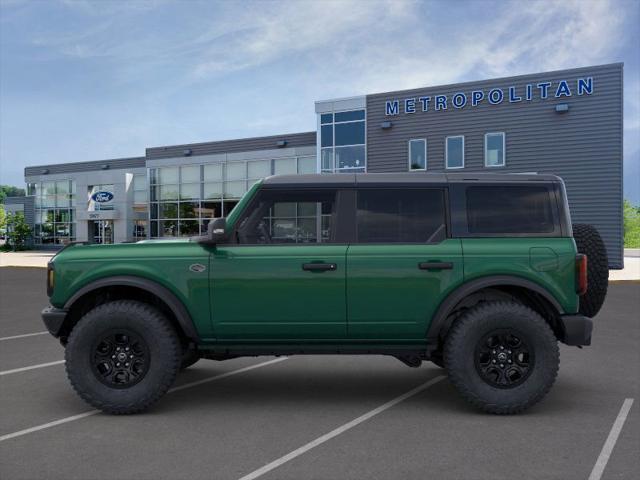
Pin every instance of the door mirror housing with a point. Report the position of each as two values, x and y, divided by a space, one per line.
217 230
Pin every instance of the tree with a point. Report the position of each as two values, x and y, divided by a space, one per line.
3 218
631 225
10 191
18 231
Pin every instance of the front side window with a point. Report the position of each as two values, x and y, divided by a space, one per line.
494 150
401 216
455 152
509 209
418 154
289 218
342 141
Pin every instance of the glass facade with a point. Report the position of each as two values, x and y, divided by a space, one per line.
54 213
140 227
183 199
342 141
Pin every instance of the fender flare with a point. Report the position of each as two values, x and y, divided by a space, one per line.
439 320
175 305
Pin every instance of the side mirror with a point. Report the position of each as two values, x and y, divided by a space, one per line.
217 230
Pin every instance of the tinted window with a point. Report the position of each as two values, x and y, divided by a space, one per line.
401 216
289 217
509 209
350 116
349 133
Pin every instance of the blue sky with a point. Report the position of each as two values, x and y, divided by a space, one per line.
87 80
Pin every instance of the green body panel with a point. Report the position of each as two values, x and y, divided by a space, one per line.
548 262
166 263
389 297
262 292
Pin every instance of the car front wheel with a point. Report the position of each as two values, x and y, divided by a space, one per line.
502 357
122 356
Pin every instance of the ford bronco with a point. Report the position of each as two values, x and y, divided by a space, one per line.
482 274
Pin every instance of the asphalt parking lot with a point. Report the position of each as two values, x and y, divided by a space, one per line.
316 417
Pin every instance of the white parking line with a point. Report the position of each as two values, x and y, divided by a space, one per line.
603 459
175 389
31 367
23 336
334 433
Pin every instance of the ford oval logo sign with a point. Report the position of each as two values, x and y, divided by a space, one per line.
102 197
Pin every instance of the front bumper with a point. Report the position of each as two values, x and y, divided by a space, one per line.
576 330
53 319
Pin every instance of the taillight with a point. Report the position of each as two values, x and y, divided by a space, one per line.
51 278
581 274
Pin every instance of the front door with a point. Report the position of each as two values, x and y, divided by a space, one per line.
101 231
402 264
284 278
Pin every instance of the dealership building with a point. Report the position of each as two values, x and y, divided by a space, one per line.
568 123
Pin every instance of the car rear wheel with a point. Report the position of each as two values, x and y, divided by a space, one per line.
502 357
123 356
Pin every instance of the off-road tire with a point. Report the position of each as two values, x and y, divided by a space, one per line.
150 325
189 357
589 242
460 356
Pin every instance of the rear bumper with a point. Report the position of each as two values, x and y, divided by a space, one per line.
576 329
53 319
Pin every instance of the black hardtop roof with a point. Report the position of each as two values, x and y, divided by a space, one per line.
402 178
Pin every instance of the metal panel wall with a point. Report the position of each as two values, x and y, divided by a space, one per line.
96 165
231 146
583 145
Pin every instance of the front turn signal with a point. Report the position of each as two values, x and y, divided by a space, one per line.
51 278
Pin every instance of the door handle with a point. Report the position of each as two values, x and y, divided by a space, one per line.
319 267
435 265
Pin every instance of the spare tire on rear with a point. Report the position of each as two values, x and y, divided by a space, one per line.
589 242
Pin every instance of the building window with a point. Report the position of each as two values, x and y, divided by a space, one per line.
455 152
184 199
418 154
54 212
140 189
494 144
342 141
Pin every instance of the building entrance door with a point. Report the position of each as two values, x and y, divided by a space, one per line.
101 231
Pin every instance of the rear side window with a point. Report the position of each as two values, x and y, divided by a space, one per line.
509 209
401 216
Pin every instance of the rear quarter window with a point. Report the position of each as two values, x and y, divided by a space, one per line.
510 209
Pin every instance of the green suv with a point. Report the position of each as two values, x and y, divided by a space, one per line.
480 274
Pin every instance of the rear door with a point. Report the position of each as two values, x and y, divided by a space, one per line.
402 264
285 279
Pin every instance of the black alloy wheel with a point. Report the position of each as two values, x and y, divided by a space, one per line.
120 359
504 359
